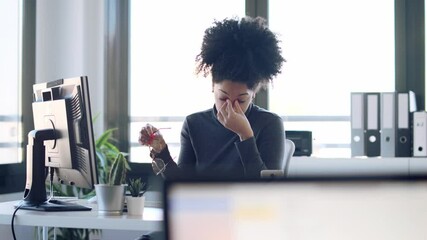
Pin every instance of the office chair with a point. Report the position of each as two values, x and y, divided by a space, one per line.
283 172
289 152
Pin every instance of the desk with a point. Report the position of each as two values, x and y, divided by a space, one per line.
151 221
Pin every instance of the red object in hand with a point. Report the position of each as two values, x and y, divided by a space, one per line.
148 134
151 137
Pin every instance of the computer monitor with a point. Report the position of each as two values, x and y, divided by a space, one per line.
335 208
62 143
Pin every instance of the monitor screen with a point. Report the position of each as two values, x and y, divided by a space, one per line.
62 142
297 209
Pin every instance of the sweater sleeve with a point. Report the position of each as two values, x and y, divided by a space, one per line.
264 151
187 157
171 170
186 162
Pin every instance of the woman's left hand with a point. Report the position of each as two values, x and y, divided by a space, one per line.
231 116
151 136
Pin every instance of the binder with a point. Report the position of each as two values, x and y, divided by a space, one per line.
420 134
405 104
388 124
358 147
372 124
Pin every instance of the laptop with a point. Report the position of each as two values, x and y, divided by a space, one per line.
302 209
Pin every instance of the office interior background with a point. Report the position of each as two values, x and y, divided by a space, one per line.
139 57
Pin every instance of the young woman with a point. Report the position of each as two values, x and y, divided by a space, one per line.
235 138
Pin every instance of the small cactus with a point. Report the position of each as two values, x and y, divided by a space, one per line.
137 187
118 170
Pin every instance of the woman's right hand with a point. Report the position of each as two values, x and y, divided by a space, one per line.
232 117
151 137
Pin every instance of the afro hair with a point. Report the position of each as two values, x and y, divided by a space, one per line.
243 51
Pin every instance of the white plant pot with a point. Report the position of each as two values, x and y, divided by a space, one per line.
135 205
110 198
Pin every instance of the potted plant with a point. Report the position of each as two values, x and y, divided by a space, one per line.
135 202
110 196
106 153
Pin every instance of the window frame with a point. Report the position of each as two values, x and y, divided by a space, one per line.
13 176
409 64
410 48
410 72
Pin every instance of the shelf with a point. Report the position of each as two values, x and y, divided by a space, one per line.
360 166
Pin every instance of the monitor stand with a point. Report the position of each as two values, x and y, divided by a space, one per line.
35 189
52 205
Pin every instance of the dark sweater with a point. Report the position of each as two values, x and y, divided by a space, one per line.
208 149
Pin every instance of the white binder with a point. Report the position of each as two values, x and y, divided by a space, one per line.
420 134
358 147
388 124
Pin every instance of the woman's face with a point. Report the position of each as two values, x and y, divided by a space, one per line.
234 92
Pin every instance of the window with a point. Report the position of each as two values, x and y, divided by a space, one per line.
332 48
164 42
10 122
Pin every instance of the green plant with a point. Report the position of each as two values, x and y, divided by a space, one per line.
137 187
69 233
118 170
106 153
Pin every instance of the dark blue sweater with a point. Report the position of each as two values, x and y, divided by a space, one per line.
208 149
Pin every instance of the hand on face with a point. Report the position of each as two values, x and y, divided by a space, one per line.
151 137
231 116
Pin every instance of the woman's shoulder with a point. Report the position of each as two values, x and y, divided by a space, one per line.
261 118
201 120
204 114
260 112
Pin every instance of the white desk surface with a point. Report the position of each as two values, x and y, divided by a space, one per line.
363 166
152 219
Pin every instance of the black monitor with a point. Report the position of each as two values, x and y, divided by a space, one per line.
61 146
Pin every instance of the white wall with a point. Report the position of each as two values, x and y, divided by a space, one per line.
70 43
